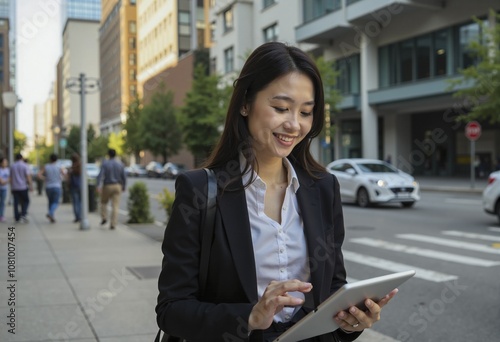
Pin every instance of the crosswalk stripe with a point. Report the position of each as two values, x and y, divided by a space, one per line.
429 253
471 235
388 265
449 243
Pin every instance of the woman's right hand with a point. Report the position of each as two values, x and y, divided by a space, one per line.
273 300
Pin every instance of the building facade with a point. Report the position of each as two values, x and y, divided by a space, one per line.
394 60
6 83
118 61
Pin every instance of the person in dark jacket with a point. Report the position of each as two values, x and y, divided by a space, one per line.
276 247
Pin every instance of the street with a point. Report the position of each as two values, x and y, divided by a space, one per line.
446 238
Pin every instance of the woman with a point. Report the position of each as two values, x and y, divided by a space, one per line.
74 179
53 175
279 223
4 185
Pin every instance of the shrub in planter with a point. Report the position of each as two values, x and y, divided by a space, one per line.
138 204
166 199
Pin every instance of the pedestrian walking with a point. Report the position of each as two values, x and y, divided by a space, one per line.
111 181
276 208
4 185
52 174
74 180
20 185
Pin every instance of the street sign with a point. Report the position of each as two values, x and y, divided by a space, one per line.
63 143
473 130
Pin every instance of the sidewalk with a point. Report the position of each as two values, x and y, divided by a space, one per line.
451 184
88 286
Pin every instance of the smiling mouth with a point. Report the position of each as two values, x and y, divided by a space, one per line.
284 138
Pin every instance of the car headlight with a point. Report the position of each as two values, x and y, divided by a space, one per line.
415 183
379 182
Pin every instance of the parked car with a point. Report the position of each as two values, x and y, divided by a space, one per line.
172 170
136 170
372 181
92 170
491 195
154 169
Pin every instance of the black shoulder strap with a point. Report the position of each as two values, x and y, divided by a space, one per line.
207 228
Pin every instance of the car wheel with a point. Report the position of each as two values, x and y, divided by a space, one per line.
408 204
363 198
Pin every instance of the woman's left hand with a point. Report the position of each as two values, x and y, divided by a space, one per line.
356 320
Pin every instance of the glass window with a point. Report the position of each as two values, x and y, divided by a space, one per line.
1 40
132 75
407 62
268 3
131 59
133 91
185 30
132 28
317 8
131 43
347 81
229 60
440 52
466 35
132 2
393 64
271 33
184 18
423 57
228 20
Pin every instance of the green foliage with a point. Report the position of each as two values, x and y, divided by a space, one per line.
116 142
97 146
133 143
138 204
203 112
19 142
482 97
166 199
159 128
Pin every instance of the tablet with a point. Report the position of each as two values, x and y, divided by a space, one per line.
320 321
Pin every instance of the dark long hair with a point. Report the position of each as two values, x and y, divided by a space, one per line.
267 63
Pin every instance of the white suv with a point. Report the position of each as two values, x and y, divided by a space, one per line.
491 195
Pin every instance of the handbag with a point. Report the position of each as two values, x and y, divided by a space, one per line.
207 231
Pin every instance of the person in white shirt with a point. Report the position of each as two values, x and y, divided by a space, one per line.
276 247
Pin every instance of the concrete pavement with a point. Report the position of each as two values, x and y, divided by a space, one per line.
61 283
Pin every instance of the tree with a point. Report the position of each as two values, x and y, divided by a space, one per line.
19 142
97 146
332 97
116 142
158 125
482 97
203 112
133 142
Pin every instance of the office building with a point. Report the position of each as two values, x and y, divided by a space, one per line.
81 20
118 61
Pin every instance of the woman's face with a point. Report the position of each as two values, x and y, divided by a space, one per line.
281 115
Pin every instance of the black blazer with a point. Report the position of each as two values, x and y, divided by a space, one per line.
231 289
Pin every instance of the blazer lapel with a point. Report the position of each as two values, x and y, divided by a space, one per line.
233 209
307 198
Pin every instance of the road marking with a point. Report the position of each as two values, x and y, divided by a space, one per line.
450 243
388 265
471 235
494 229
429 253
463 201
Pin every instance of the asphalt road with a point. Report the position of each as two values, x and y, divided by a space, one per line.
446 238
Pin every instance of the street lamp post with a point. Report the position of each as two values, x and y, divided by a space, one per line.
10 99
83 85
56 130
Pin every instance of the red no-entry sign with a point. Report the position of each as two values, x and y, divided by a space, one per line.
473 130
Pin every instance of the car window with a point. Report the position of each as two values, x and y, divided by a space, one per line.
375 168
342 167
